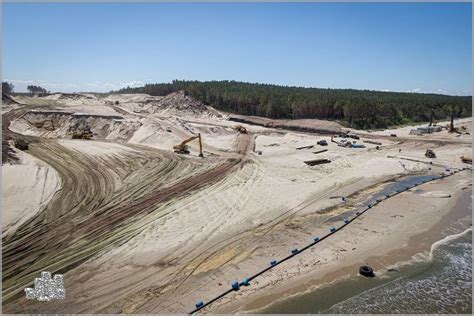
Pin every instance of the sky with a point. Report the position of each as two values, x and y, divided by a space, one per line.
410 47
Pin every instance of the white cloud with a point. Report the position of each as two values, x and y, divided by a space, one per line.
20 81
110 85
440 91
97 86
93 84
132 84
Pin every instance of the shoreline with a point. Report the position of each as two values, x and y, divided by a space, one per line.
340 294
455 218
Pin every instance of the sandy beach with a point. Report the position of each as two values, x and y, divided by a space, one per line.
456 216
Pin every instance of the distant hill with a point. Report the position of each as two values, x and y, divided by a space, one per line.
355 108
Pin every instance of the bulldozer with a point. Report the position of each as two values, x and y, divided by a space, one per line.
240 129
466 159
83 133
183 148
47 124
430 154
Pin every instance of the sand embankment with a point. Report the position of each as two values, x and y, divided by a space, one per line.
302 125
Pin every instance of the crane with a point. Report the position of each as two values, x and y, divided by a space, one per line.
183 148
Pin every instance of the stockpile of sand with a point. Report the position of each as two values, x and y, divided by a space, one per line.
130 98
178 102
174 104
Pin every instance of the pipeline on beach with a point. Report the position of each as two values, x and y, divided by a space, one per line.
235 286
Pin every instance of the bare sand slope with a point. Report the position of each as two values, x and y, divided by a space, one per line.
28 186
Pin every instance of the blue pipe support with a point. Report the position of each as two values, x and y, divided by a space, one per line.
235 285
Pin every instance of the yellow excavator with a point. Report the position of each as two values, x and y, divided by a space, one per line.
183 148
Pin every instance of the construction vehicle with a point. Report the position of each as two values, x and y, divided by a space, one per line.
240 129
430 154
466 159
47 124
82 133
183 148
353 136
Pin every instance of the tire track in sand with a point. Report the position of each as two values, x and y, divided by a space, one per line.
82 219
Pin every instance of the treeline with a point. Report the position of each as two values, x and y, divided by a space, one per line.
36 89
358 108
8 88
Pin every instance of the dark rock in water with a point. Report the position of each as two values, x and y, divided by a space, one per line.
392 270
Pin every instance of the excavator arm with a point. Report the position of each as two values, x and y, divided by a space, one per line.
187 141
181 148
